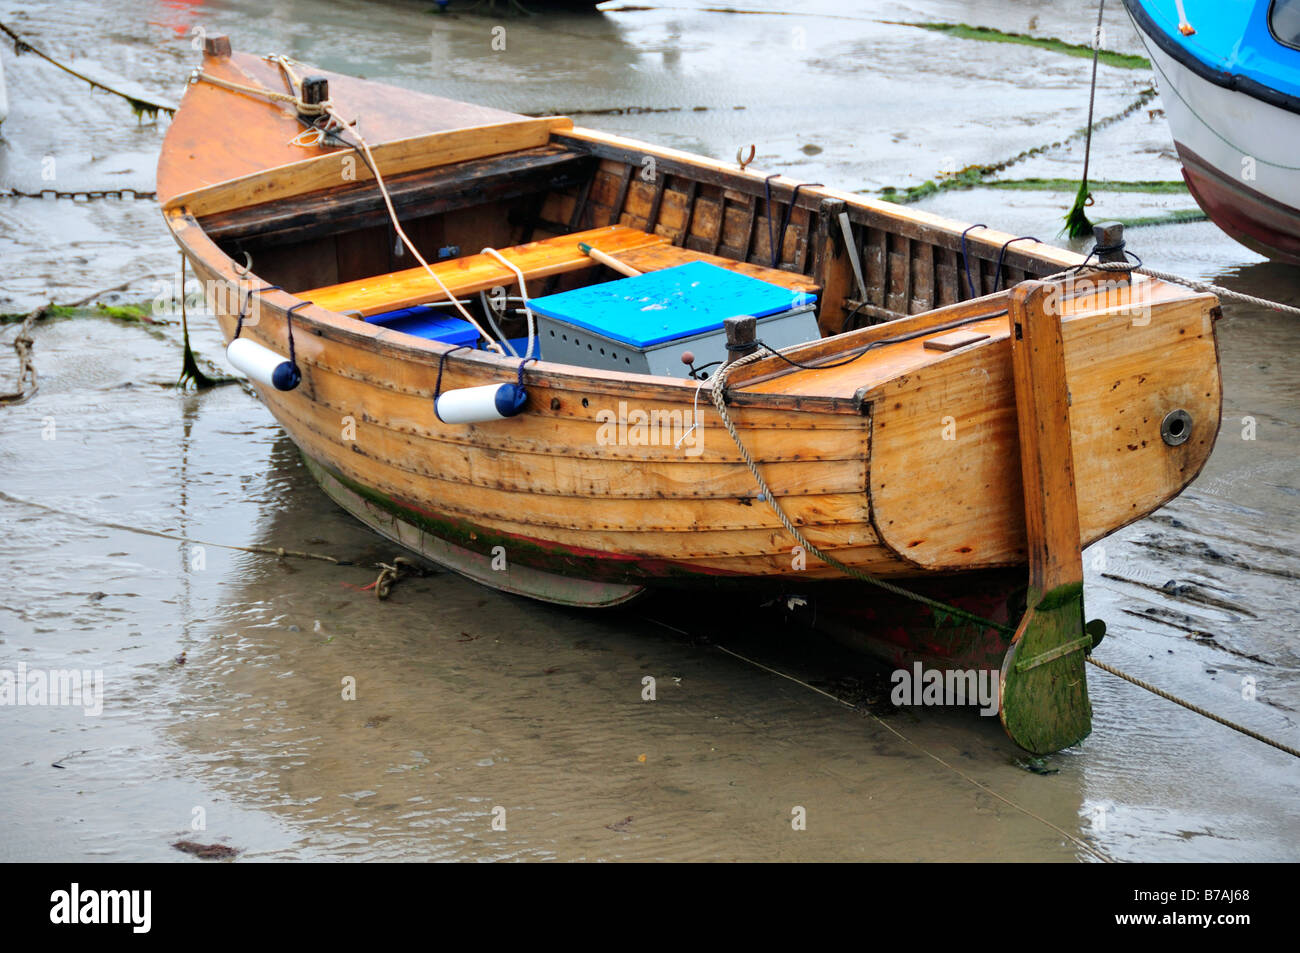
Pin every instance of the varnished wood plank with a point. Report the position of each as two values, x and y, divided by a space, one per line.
344 165
472 273
194 158
424 192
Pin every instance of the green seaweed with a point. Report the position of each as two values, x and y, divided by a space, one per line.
1146 186
1178 217
190 371
143 110
127 312
1077 223
989 35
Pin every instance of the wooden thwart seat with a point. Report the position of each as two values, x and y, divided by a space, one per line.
473 273
552 256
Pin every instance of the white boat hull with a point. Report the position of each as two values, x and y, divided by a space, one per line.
1240 155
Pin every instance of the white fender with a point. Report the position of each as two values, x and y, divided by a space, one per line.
472 405
262 364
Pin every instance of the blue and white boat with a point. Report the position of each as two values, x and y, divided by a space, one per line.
1229 75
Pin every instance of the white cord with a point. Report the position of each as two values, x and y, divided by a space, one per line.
695 415
523 296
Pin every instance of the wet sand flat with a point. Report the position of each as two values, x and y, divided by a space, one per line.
224 718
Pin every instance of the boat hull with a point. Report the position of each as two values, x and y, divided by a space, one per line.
1240 155
896 631
494 570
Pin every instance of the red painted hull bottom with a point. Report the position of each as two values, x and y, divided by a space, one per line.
865 619
1250 217
901 631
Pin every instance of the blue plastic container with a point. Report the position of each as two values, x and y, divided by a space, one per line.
520 345
428 323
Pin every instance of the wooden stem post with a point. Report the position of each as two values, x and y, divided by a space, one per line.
1045 703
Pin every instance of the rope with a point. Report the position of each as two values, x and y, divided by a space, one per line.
523 297
1092 92
1214 289
139 106
142 531
389 573
1250 733
718 395
965 259
997 270
23 343
929 754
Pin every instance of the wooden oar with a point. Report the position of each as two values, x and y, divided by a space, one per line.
595 254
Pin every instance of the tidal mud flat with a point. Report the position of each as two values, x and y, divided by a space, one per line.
223 716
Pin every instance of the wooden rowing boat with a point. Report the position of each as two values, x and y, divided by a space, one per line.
953 426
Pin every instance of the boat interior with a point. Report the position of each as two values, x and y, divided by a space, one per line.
337 247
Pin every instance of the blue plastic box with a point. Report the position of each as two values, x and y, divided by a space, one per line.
645 323
425 322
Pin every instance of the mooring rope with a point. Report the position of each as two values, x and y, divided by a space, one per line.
1192 283
1083 845
1190 706
159 534
389 573
1076 220
718 394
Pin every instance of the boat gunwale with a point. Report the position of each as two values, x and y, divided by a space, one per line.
186 226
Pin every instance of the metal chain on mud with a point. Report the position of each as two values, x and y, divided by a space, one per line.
74 194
